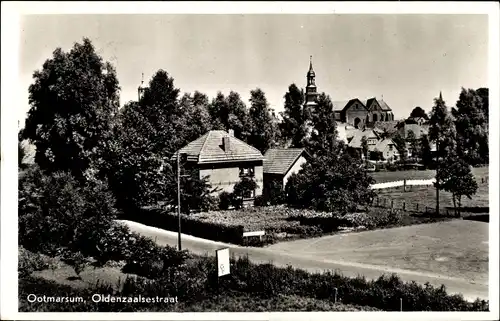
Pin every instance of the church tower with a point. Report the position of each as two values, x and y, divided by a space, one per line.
141 89
311 90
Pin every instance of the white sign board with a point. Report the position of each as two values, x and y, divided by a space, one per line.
256 233
222 261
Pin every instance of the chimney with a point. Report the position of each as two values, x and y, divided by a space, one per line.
225 144
231 133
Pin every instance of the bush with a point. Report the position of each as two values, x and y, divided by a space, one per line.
383 217
28 262
58 211
75 259
224 200
246 186
191 226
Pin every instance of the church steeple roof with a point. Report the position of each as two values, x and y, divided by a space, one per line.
310 73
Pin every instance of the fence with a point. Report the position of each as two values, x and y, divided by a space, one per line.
405 182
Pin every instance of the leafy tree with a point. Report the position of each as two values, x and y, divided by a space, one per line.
230 113
425 151
485 101
324 136
364 146
332 180
57 211
148 133
246 186
294 119
195 114
195 192
418 112
219 112
412 141
442 129
73 100
263 133
471 127
442 132
273 193
401 147
456 177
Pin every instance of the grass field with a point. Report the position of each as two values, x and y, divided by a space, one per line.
438 248
382 177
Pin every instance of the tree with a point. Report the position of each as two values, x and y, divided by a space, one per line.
148 133
442 132
364 146
412 141
324 136
401 147
456 177
471 127
195 112
230 113
72 102
195 192
294 119
331 180
485 101
244 188
425 151
263 133
418 112
57 211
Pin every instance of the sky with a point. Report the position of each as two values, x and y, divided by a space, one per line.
406 59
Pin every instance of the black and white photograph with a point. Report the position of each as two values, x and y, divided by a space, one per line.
260 162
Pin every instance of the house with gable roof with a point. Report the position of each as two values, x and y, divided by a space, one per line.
281 163
224 159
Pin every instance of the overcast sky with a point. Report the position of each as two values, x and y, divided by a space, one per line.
407 59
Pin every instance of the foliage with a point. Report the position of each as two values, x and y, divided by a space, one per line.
471 126
73 100
485 101
195 193
191 226
246 186
418 112
58 211
75 259
264 129
442 130
425 153
456 177
273 193
148 133
294 118
230 113
401 146
225 200
196 114
260 284
29 262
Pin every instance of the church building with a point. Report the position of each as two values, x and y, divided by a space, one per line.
354 112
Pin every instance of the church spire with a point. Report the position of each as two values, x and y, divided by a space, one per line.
440 95
141 89
311 91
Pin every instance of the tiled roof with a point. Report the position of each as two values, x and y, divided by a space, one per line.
384 105
358 136
280 160
390 126
208 149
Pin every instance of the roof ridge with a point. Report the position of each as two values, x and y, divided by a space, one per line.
204 142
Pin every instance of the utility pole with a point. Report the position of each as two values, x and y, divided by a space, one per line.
179 198
437 176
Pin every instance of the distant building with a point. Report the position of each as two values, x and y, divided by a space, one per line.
375 143
404 127
281 163
225 160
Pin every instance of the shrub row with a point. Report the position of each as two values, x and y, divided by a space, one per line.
168 221
197 282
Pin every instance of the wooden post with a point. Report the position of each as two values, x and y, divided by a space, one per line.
335 295
417 207
404 185
392 204
378 201
385 201
404 206
401 304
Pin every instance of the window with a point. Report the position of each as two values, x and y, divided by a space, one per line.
247 171
390 147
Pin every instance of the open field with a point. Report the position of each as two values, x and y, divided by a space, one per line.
388 176
426 196
438 249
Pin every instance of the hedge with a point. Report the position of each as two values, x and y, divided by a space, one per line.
197 282
168 221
